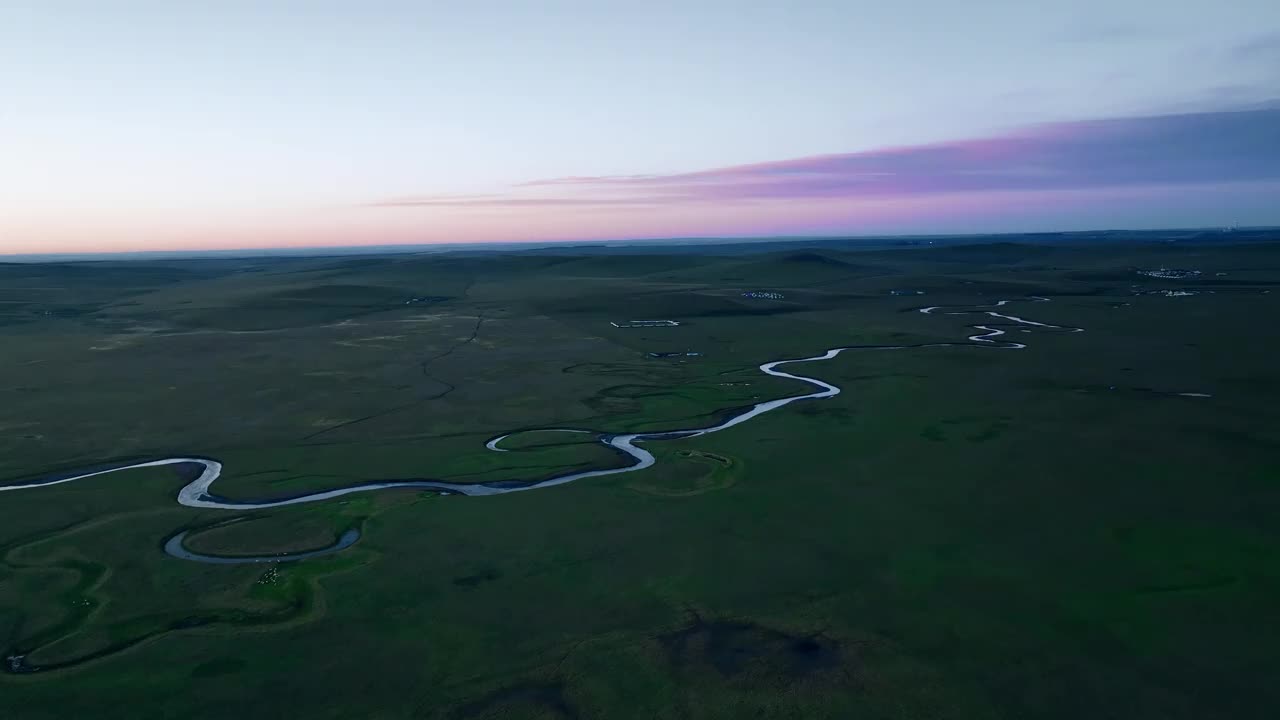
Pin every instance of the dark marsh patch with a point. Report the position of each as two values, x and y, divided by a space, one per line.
217 667
523 700
738 648
479 578
812 258
973 429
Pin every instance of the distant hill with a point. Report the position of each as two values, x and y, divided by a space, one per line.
711 246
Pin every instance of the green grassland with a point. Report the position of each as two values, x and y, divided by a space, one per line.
963 532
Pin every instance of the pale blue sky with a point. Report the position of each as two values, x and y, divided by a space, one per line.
136 115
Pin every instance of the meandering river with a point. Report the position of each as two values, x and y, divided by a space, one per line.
198 493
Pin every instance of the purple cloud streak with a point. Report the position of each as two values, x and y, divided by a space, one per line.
1212 148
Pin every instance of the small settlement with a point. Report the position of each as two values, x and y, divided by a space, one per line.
644 323
673 354
1170 273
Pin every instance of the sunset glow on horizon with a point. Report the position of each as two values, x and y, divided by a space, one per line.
150 126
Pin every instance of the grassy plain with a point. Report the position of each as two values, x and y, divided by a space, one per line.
963 532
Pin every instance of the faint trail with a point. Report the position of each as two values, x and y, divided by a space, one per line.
423 366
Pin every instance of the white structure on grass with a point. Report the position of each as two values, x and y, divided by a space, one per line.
644 323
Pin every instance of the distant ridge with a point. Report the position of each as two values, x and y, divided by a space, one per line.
812 258
684 245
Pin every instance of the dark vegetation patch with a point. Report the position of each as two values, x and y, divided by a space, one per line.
997 253
126 274
1198 586
669 305
812 258
976 429
991 432
605 405
479 578
980 290
834 413
1120 275
337 295
740 648
633 391
599 369
302 306
364 263
634 266
524 700
217 668
749 311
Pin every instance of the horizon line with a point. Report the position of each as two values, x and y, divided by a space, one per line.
500 245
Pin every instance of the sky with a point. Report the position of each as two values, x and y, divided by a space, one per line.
132 125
